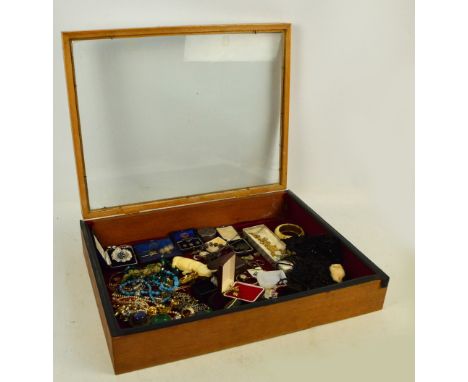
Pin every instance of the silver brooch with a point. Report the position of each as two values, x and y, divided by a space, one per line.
121 254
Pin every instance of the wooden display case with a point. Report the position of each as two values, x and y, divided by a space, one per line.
127 219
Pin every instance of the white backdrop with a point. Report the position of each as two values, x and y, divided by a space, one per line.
351 158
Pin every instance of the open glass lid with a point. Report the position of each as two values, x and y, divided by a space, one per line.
176 115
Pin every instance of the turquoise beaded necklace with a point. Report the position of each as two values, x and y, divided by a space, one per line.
152 286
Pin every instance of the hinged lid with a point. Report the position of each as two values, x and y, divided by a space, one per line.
176 115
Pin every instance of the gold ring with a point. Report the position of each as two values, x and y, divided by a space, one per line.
285 231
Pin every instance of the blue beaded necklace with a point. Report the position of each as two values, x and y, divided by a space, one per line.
153 286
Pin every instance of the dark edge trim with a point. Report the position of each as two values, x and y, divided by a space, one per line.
382 275
116 331
112 323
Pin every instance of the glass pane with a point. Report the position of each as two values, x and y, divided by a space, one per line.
170 116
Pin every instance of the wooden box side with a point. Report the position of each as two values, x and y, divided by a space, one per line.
136 351
97 296
134 227
363 294
128 228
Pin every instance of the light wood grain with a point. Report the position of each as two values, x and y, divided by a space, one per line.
134 227
185 200
75 124
285 108
97 296
69 37
152 347
159 346
176 30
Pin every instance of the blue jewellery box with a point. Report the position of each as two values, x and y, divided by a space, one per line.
187 240
155 250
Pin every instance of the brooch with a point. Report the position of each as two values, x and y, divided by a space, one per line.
121 254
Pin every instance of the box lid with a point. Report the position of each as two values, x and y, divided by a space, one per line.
175 115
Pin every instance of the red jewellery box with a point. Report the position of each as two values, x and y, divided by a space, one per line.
245 292
181 144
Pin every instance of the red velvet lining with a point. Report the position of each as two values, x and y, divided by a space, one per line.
246 292
295 214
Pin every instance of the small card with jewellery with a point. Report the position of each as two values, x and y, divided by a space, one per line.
244 292
266 243
155 250
116 256
121 256
187 240
228 233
